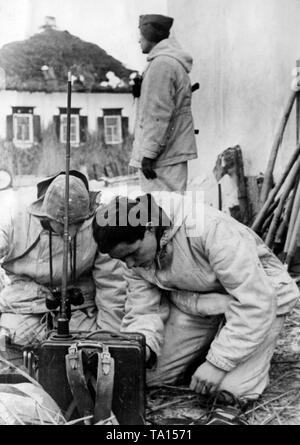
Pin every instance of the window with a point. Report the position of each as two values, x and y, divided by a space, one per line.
78 127
74 133
113 129
22 128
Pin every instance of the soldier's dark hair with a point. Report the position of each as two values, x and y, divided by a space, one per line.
113 224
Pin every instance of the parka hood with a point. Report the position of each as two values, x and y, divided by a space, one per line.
173 206
171 48
181 209
42 187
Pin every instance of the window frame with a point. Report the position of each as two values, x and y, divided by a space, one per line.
118 118
62 118
21 142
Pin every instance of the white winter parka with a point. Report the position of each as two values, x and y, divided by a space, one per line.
226 268
164 128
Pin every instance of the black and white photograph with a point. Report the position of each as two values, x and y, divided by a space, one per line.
150 215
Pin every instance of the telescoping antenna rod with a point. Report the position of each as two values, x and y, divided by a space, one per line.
63 321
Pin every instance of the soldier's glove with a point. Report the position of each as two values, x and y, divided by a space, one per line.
75 296
53 299
136 84
147 168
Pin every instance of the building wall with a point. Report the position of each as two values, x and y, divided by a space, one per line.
46 154
244 52
46 106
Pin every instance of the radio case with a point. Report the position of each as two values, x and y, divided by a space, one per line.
128 352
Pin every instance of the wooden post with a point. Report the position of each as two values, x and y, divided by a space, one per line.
292 221
278 212
296 199
263 211
242 187
298 106
293 242
267 184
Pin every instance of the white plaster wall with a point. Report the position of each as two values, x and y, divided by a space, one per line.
244 52
46 105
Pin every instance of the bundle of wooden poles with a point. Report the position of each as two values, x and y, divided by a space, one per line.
278 221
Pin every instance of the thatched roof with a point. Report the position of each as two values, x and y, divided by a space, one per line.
61 52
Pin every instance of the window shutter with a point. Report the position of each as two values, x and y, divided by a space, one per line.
9 128
56 120
100 122
37 135
83 130
125 130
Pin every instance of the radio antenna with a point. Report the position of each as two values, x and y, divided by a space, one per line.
63 321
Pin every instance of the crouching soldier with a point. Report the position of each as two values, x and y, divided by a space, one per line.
228 295
31 248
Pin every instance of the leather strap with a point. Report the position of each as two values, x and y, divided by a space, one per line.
77 382
104 387
101 409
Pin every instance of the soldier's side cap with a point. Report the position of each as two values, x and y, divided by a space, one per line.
163 22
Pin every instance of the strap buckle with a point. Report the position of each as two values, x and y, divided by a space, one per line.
106 360
73 356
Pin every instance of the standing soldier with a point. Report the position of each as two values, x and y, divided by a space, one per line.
164 138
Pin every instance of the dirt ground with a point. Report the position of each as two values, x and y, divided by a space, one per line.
279 405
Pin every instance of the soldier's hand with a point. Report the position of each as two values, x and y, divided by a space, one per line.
147 168
136 83
207 379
